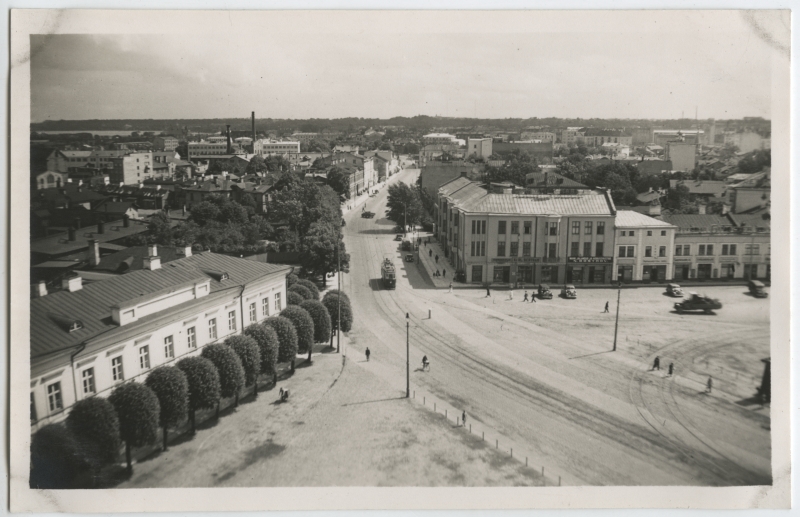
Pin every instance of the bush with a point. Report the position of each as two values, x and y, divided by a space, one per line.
249 354
322 320
336 292
292 298
138 410
291 279
287 338
267 341
311 286
56 459
229 367
302 291
303 325
94 423
332 304
203 380
172 389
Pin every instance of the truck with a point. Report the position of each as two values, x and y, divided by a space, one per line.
388 276
696 302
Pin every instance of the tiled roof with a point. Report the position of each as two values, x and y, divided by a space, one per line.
59 244
703 221
535 179
475 198
454 185
119 262
92 304
702 187
759 218
76 154
632 219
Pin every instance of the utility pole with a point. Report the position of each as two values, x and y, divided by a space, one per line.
408 363
339 295
616 324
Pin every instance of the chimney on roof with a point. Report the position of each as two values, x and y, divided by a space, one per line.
72 283
152 263
152 250
187 251
725 209
253 125
41 289
121 183
701 209
94 252
71 234
126 221
77 223
101 228
654 209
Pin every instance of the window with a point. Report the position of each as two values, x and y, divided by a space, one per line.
662 251
752 249
526 227
729 249
116 369
626 251
88 381
501 248
649 233
648 251
277 302
472 249
483 248
144 357
483 228
551 250
526 249
253 315
663 233
587 228
514 251
681 250
553 228
601 228
265 307
631 233
598 249
622 233
212 329
573 252
621 252
501 227
169 347
705 249
515 227
54 396
576 227
587 249
191 337
474 226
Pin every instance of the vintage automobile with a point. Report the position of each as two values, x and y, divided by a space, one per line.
544 292
398 237
569 292
757 288
696 302
409 257
406 246
674 290
367 215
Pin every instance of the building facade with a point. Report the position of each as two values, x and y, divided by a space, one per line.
479 147
439 138
683 155
644 248
542 136
265 148
87 339
501 234
131 169
165 143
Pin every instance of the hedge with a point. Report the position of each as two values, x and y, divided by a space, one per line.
287 338
94 423
291 279
267 341
203 379
311 286
292 298
303 325
302 291
229 367
172 389
56 458
249 354
322 320
138 411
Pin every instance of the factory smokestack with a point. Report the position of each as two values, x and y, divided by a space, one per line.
253 124
228 134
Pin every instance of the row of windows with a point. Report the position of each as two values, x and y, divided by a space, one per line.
479 227
55 400
708 249
632 233
629 251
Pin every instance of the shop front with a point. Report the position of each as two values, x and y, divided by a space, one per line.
654 273
683 268
704 271
514 270
588 270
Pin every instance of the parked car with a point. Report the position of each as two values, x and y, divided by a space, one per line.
569 292
368 215
398 237
696 302
406 246
544 292
674 290
409 257
757 288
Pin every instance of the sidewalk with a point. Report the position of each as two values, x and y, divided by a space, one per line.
427 258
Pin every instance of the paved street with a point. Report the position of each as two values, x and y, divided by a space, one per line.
541 375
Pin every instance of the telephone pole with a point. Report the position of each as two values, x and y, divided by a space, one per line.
616 324
338 295
408 363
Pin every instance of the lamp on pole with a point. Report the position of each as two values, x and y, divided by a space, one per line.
408 364
616 324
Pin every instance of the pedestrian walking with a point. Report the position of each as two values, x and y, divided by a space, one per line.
444 272
436 258
606 310
367 354
533 298
430 253
708 385
657 364
671 369
511 294
464 418
488 294
437 273
525 298
451 287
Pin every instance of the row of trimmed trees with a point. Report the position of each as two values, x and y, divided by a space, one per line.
134 412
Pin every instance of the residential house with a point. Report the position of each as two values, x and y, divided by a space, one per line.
644 248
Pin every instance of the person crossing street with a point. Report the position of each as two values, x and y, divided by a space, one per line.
606 309
367 354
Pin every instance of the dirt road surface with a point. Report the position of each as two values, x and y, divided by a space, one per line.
543 375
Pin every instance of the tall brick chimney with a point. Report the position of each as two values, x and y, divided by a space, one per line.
253 125
229 149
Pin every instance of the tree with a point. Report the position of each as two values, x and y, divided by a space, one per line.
138 411
404 206
319 250
250 356
331 302
229 367
311 286
291 279
301 291
94 423
56 458
336 292
292 298
303 325
287 338
257 165
267 341
339 181
321 317
172 389
204 388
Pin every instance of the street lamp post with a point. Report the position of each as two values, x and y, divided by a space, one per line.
616 324
408 363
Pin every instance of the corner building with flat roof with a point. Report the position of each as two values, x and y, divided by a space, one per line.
502 233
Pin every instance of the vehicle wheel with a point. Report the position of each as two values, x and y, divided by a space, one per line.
707 311
680 311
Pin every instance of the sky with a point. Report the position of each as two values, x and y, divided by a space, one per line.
583 66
